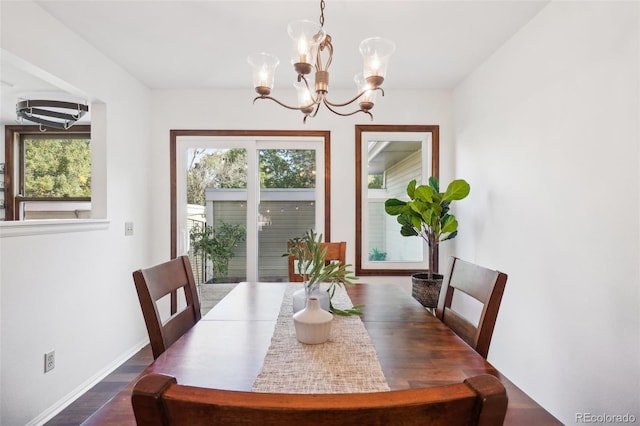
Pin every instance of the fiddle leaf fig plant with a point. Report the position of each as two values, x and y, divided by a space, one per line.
427 215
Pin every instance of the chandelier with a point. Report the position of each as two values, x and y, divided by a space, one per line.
309 42
55 114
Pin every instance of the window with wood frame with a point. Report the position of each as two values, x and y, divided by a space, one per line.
47 174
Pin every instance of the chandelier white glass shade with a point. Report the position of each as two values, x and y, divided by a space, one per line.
376 52
264 66
306 37
309 42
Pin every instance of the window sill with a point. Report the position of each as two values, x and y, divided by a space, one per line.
51 226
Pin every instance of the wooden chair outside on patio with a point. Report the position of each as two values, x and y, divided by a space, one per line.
153 284
482 284
336 251
159 401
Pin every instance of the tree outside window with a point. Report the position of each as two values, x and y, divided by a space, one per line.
57 166
50 169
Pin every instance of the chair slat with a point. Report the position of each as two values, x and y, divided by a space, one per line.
461 326
179 324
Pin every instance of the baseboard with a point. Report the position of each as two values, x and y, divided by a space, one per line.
65 401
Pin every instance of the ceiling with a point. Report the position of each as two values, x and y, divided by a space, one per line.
178 44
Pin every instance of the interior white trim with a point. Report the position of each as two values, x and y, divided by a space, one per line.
51 226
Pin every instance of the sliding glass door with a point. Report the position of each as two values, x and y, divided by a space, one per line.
240 198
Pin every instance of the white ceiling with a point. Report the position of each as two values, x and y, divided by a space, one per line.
204 44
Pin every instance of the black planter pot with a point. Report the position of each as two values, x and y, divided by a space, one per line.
425 290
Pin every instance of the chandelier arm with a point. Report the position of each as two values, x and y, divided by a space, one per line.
316 111
330 47
326 101
354 99
276 101
326 43
346 114
314 100
304 119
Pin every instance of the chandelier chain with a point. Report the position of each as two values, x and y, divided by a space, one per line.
322 13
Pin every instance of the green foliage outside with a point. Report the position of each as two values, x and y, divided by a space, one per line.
287 168
224 169
218 244
220 169
374 181
57 168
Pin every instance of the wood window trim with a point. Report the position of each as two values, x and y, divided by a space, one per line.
435 171
11 133
175 134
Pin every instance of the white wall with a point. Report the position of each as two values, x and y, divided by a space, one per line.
547 135
73 292
233 109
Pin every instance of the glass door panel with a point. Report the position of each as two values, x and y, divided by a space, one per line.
287 206
217 213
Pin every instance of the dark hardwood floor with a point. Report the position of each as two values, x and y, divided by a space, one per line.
102 392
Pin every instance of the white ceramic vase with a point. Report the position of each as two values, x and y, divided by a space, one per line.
313 324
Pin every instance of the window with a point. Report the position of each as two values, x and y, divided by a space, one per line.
47 174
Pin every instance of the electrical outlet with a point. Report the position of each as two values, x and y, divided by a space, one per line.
49 361
128 229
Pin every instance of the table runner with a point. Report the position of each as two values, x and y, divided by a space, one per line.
346 363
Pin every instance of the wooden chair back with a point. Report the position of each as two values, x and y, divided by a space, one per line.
158 400
484 285
153 284
336 251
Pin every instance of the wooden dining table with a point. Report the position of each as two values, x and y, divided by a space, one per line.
227 347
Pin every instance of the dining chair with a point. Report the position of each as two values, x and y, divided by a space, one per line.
482 284
336 251
156 282
158 400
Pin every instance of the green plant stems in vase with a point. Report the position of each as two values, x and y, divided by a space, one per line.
312 266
